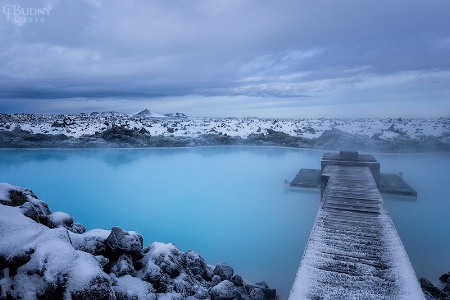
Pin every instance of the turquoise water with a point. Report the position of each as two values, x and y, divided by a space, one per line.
228 204
423 224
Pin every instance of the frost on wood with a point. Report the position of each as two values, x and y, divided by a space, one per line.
354 251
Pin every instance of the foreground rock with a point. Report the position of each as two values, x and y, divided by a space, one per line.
432 292
46 255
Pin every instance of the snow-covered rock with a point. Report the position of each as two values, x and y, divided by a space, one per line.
123 265
147 129
224 271
225 290
121 241
42 256
175 115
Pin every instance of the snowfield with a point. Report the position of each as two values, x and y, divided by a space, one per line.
147 129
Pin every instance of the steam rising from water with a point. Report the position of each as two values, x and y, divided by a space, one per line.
228 204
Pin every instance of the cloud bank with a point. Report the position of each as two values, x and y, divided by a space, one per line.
227 57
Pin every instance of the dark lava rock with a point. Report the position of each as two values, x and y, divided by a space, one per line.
196 265
176 115
66 122
224 271
102 261
237 280
275 138
17 198
123 266
270 294
15 262
161 263
444 278
99 288
128 294
38 211
77 228
120 241
257 294
428 287
18 138
215 280
224 291
124 136
93 244
169 261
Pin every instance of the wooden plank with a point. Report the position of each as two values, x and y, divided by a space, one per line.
395 185
352 250
307 178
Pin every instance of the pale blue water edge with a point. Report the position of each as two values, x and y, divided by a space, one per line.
227 203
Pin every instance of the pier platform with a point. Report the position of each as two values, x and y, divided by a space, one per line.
307 178
387 183
354 251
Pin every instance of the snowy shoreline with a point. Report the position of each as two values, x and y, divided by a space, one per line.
48 255
117 130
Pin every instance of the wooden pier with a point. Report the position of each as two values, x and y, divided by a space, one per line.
354 251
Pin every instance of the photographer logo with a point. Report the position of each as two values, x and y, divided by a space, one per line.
22 15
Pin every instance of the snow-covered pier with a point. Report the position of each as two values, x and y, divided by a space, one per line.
354 251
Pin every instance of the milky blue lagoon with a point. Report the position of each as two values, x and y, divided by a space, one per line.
228 204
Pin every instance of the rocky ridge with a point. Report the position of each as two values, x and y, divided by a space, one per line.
45 255
113 129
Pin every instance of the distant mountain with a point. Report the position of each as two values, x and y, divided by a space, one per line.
176 115
148 114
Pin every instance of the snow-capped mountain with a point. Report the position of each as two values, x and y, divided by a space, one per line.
148 114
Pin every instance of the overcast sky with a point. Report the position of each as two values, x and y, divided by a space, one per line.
278 58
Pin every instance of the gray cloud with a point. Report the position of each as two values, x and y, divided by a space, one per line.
97 49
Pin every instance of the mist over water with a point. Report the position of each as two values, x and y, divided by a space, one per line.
228 204
422 223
